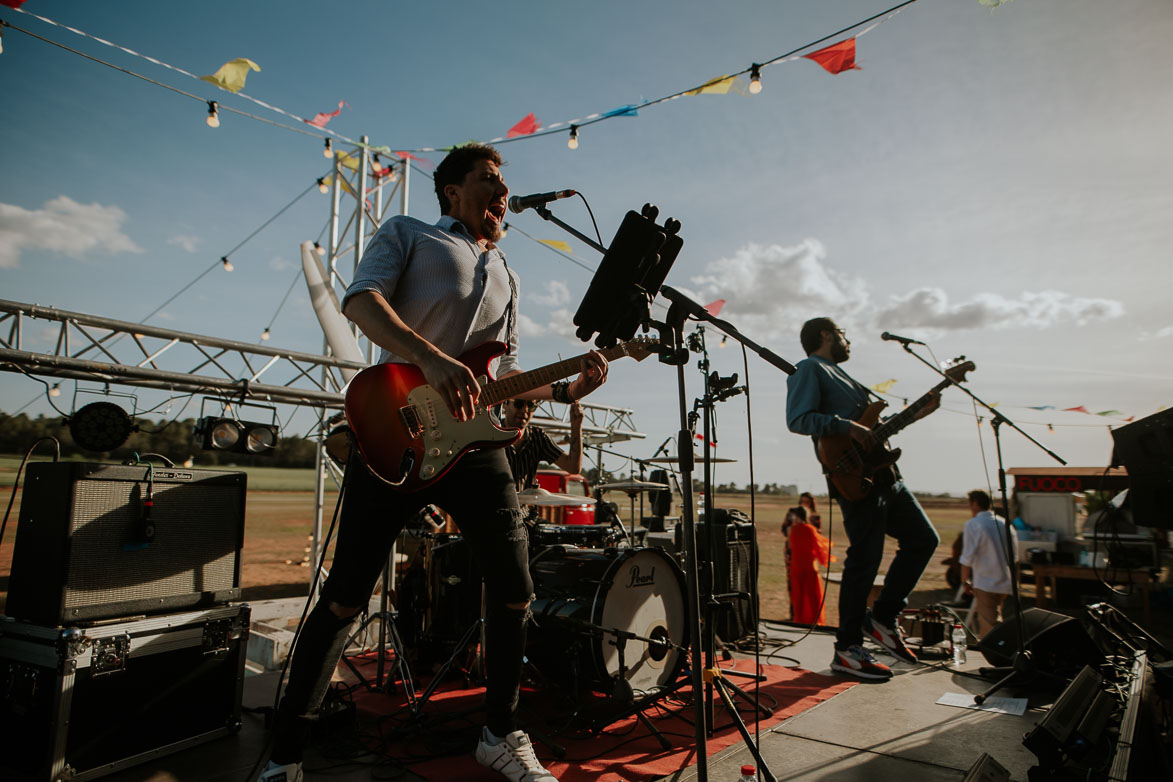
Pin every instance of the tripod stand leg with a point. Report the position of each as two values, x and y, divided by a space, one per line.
389 639
643 719
719 685
766 711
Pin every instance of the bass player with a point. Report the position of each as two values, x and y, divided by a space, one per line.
823 401
424 294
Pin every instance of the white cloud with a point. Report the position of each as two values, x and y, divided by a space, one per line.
772 289
557 293
186 241
63 226
280 263
930 308
560 323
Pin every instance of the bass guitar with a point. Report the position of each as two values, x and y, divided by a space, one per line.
405 431
851 467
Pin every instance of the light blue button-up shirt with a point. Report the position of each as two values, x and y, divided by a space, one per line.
442 285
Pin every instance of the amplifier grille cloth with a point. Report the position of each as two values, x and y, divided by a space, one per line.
193 551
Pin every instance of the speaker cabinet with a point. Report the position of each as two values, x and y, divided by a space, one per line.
1057 643
733 566
87 548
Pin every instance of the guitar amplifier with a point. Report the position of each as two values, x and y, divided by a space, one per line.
81 703
733 564
85 548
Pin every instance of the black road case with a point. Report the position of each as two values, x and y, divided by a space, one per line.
81 702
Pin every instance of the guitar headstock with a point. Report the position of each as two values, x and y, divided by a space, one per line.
957 369
640 347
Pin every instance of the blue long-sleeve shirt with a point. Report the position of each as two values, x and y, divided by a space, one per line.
822 399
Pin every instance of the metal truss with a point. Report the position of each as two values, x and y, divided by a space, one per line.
104 350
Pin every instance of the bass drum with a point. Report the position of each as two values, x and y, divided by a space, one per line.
582 594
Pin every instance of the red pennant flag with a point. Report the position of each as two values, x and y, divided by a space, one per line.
837 57
714 307
12 3
527 126
423 161
1080 409
321 118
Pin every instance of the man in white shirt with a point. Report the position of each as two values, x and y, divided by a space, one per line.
985 571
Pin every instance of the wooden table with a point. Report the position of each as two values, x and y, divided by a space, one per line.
1048 574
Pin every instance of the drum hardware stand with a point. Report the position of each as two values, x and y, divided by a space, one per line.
1023 669
476 668
389 639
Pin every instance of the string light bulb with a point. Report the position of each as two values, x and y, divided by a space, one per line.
572 142
322 186
55 391
755 79
265 335
227 263
319 250
328 152
213 119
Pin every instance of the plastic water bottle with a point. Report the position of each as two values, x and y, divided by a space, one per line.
959 644
748 774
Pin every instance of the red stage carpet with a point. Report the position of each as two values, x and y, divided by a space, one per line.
625 751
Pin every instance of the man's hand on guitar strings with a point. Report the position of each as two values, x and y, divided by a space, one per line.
862 435
592 375
455 383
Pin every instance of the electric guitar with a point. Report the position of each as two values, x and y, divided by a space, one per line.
850 467
410 439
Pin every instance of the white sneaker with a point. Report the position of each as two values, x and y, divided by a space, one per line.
514 758
290 772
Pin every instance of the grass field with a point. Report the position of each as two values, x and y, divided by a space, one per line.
280 519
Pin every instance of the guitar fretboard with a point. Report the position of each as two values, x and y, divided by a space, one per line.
510 387
906 416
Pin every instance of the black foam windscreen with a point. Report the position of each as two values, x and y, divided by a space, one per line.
1057 643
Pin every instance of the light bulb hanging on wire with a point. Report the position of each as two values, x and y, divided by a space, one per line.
227 263
755 79
55 391
322 186
213 114
572 142
328 152
265 335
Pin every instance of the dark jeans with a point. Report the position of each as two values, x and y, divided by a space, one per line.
889 510
479 494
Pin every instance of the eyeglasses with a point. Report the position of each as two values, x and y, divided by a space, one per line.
524 404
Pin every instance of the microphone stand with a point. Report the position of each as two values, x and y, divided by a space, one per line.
1023 668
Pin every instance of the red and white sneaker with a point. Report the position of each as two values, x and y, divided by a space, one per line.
890 638
857 661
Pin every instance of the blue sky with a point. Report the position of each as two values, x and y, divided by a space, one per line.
994 182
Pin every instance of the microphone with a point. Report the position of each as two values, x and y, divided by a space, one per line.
518 204
902 340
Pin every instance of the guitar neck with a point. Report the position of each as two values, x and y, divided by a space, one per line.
513 385
907 415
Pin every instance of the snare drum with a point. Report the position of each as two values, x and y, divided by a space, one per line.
583 593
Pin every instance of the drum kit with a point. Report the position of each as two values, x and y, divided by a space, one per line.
613 610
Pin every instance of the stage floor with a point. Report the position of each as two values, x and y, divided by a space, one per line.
893 730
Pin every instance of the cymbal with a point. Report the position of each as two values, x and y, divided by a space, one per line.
698 458
633 486
551 499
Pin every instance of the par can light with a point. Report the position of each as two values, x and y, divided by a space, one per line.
216 433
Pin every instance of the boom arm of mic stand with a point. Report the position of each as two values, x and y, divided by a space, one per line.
697 312
545 214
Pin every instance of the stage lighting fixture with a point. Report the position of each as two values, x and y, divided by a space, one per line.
100 427
217 433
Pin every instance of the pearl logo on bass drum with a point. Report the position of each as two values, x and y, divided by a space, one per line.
640 581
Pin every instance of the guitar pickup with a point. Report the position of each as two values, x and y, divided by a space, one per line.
412 421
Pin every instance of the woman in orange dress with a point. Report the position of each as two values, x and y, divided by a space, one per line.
808 550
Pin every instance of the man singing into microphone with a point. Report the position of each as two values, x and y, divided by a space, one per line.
426 294
823 400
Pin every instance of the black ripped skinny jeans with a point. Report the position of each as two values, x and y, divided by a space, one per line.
479 494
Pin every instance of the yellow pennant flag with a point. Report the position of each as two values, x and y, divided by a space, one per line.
883 388
350 161
558 244
232 74
718 86
329 180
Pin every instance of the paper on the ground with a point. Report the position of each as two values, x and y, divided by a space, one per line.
1015 706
